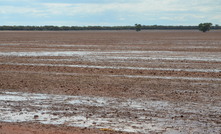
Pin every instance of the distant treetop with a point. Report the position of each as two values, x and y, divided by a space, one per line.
138 27
205 26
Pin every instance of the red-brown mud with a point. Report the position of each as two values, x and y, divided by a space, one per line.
174 66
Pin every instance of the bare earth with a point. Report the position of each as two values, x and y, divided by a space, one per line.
178 71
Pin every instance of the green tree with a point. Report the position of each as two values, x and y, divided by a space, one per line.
204 26
138 27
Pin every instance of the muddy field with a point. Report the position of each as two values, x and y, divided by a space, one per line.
110 82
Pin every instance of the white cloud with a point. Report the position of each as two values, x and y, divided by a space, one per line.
19 10
29 11
123 10
141 6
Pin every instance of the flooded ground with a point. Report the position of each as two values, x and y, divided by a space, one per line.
110 82
130 115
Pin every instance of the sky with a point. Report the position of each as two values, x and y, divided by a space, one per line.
109 12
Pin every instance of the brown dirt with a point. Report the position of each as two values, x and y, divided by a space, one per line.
28 128
98 81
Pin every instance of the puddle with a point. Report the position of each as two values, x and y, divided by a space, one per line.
72 45
9 98
168 58
169 78
124 55
70 53
129 115
41 53
58 53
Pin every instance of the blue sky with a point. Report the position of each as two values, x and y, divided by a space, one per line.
109 12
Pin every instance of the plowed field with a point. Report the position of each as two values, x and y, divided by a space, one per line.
110 82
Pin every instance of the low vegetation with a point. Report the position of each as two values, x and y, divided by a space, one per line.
137 27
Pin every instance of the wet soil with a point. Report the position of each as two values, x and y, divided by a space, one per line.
36 128
169 66
108 113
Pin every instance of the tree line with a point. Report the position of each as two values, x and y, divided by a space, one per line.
72 28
